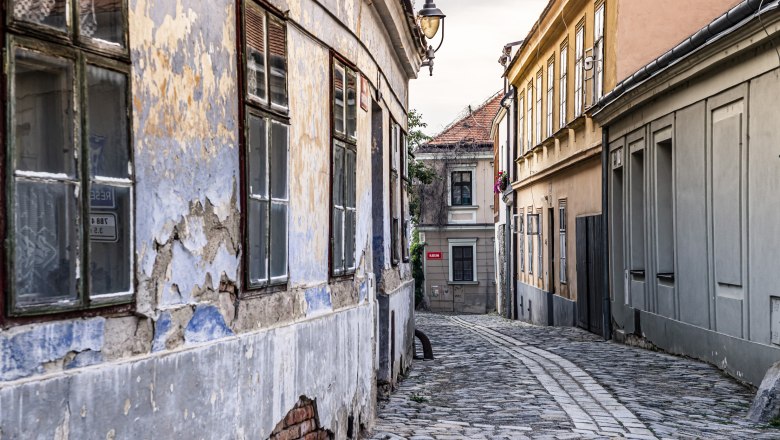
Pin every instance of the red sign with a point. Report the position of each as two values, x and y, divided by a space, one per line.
434 255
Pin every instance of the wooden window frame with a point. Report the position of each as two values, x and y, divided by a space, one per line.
271 113
82 52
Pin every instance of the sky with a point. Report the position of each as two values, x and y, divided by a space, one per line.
466 70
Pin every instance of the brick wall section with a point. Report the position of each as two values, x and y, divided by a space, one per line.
301 423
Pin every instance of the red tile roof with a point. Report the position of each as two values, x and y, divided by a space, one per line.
472 129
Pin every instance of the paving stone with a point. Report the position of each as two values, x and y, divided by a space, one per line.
500 379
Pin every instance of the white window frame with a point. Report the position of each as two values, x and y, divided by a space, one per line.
563 86
538 111
598 53
472 168
452 242
562 228
550 95
520 121
579 80
520 226
530 119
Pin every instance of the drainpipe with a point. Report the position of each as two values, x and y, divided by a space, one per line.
607 310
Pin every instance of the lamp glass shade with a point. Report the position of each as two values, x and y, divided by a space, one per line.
430 26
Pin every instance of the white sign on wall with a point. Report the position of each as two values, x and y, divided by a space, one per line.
102 227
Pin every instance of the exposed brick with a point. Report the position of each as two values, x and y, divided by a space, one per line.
307 427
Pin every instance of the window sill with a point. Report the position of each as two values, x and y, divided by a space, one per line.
462 283
256 292
464 207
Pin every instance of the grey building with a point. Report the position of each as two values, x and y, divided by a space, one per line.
693 168
456 214
193 244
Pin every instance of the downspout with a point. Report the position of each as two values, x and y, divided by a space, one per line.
508 225
512 281
607 309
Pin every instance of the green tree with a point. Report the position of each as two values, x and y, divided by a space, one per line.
419 175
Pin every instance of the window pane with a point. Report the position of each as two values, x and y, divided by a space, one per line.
52 13
102 20
351 103
338 98
338 174
277 52
254 21
455 177
257 233
108 145
43 113
466 176
46 244
350 177
456 196
338 240
466 195
110 223
349 239
257 152
278 161
278 240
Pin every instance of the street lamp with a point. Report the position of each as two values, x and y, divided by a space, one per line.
431 18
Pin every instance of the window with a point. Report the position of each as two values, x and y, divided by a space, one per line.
407 222
530 119
562 229
539 242
266 149
530 227
69 158
463 264
564 84
579 52
550 95
521 239
398 224
461 188
520 122
344 173
538 111
598 53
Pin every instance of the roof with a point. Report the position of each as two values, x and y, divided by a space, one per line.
735 18
471 130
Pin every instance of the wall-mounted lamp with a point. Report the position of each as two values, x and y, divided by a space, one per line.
431 18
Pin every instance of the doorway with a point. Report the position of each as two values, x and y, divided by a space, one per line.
590 265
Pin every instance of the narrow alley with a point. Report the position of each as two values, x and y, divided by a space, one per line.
499 379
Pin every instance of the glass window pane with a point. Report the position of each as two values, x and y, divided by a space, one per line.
350 177
466 195
107 120
277 54
102 20
338 98
254 21
51 13
278 240
466 176
43 113
455 177
257 233
338 240
338 174
349 239
46 247
278 160
351 103
110 223
257 152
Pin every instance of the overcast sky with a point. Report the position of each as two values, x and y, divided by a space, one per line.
466 70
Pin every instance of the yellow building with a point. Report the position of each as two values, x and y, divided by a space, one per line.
575 54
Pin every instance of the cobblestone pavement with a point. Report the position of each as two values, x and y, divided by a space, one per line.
499 379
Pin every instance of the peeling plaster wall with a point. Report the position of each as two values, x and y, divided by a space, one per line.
196 357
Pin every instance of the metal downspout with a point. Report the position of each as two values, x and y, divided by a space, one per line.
607 310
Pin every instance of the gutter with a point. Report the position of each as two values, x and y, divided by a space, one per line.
734 18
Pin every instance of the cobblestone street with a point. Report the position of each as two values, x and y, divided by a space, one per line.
499 379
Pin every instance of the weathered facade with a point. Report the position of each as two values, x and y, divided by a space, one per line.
195 240
456 215
572 57
693 172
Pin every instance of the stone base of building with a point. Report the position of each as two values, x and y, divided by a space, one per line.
744 360
237 387
395 334
538 307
